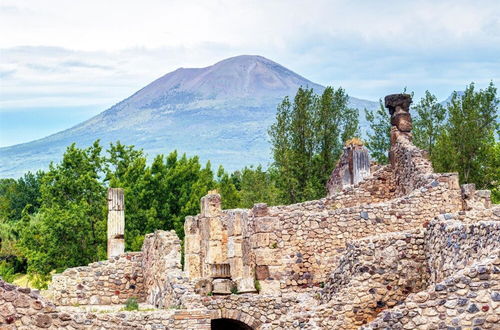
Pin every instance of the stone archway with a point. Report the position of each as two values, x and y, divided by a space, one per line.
229 324
227 319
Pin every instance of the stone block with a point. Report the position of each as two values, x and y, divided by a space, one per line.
236 267
235 224
266 256
223 286
234 248
192 265
211 205
203 287
246 285
261 272
260 210
192 243
260 240
265 224
271 287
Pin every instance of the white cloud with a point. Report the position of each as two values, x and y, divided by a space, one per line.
79 53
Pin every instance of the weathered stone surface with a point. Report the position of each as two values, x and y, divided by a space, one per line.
223 286
116 222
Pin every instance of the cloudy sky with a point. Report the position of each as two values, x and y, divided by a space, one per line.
62 62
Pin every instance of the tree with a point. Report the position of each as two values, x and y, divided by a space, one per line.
467 144
307 139
379 139
257 186
428 122
227 189
70 228
335 124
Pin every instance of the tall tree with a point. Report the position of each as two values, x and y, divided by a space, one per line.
428 122
307 139
467 144
379 139
69 230
335 124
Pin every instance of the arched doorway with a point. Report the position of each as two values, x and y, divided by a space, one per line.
229 324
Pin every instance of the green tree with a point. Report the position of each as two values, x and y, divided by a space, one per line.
428 122
335 124
379 139
257 186
229 193
69 230
307 139
467 144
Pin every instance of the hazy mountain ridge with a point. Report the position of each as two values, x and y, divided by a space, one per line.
221 113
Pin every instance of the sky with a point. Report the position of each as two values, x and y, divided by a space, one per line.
61 62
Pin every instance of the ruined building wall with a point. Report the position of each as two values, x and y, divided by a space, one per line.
23 308
470 299
164 281
294 246
297 246
453 245
112 281
410 164
352 167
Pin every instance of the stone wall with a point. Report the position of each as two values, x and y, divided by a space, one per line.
112 281
469 299
453 245
164 281
297 246
25 309
352 167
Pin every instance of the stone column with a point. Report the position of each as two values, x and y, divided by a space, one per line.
116 222
399 109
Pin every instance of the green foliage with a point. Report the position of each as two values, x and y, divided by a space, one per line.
379 139
7 272
131 305
467 143
234 290
256 283
257 186
428 122
307 139
70 227
227 189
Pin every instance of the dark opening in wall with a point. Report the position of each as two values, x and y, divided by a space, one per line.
229 324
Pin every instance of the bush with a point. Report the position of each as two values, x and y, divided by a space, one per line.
131 304
7 271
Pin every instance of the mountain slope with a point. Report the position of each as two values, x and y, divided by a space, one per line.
220 113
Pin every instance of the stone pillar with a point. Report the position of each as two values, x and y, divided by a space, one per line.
399 109
116 222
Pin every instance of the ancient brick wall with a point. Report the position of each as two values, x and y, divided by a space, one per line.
470 299
453 245
22 308
164 281
112 281
297 245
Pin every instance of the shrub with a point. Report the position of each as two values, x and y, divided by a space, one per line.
131 304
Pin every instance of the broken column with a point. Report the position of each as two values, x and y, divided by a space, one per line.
352 167
116 222
399 109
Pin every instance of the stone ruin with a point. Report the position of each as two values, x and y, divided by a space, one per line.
390 247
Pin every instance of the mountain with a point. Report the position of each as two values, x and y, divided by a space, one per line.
221 113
